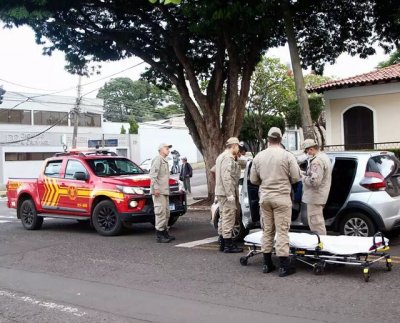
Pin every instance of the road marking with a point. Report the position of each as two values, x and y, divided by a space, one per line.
49 305
8 219
196 243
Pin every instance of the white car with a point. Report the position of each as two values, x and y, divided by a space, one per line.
364 197
146 164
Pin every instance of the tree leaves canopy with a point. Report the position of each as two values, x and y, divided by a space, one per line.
125 98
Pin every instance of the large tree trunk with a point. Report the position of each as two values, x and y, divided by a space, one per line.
301 92
207 127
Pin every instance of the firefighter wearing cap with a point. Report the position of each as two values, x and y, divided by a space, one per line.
159 188
227 174
316 185
275 170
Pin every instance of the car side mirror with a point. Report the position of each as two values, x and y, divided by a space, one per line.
80 176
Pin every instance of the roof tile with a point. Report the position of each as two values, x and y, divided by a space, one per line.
382 75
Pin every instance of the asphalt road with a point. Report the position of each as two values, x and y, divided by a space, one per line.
198 182
67 273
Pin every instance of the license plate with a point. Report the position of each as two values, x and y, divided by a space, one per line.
172 207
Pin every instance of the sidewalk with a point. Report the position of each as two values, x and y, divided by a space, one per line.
198 193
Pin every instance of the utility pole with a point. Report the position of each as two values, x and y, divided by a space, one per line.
75 113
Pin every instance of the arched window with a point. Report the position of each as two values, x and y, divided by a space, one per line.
358 123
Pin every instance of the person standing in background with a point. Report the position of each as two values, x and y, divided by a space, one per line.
186 172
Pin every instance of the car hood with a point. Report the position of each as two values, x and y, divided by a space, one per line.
133 180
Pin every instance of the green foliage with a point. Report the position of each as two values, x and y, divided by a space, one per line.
292 113
312 80
394 58
123 130
124 97
133 126
255 129
395 151
166 1
272 87
316 102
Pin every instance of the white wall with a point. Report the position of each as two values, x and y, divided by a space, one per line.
151 137
114 127
30 169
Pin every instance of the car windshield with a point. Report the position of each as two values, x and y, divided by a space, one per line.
114 167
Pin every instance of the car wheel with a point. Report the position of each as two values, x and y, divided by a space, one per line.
106 220
29 218
238 232
357 224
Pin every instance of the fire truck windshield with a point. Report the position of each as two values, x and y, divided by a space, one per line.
114 167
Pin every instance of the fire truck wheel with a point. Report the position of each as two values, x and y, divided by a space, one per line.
106 220
29 218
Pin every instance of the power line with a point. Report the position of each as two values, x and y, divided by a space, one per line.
28 87
29 98
51 92
36 135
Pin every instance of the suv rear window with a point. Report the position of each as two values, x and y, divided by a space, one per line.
53 168
389 167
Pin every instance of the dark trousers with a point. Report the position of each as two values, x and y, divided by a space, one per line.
186 184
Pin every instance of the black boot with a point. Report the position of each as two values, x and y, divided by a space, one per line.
161 238
286 267
166 234
221 243
268 264
230 247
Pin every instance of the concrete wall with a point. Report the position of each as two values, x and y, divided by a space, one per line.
28 169
383 100
114 127
151 137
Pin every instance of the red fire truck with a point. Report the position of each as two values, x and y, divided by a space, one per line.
96 186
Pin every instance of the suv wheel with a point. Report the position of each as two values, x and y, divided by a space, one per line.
357 224
29 218
238 232
106 220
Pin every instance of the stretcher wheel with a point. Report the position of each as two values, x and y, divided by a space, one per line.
319 268
243 261
366 274
389 266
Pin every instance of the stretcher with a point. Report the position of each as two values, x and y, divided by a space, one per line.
317 251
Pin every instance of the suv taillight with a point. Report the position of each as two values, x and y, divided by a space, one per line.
373 181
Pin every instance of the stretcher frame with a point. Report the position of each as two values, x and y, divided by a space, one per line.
318 259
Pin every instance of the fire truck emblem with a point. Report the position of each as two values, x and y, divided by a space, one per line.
72 192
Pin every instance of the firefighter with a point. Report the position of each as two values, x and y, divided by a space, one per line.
316 185
275 170
227 174
159 188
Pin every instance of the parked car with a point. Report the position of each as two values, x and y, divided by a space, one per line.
100 187
364 197
146 165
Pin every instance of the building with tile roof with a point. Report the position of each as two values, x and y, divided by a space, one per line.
363 109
